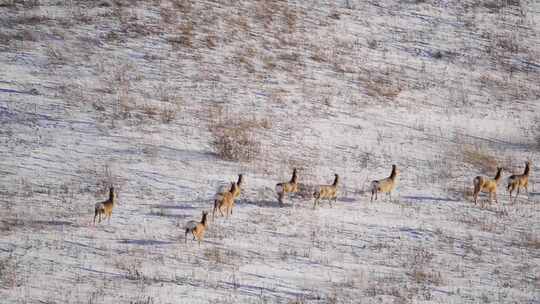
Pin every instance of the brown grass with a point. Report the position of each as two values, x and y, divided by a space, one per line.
211 41
420 269
132 269
8 272
319 55
528 240
168 114
381 83
236 139
381 88
234 136
495 6
291 17
422 276
464 192
215 255
479 158
56 56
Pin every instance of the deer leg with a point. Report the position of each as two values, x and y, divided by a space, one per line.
221 210
280 198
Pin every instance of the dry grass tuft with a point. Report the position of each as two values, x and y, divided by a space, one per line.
377 88
527 240
419 266
381 84
56 56
216 256
422 276
466 192
479 158
8 272
235 138
131 269
235 141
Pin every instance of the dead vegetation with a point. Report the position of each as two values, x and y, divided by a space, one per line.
479 158
289 54
527 240
381 88
381 83
9 273
216 256
131 269
235 141
234 137
420 268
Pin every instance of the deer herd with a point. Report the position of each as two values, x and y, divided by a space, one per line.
224 201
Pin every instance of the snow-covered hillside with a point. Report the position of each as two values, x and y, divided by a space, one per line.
170 100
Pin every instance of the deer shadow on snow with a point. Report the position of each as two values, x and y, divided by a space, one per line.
144 242
426 199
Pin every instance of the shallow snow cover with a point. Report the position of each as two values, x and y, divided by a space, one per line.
170 100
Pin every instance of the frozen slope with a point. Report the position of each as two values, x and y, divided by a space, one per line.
136 94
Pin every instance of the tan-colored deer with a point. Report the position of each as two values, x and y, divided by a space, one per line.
485 184
238 190
384 185
197 228
105 208
517 181
287 187
328 192
225 201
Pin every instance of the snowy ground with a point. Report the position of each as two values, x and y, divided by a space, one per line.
136 93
